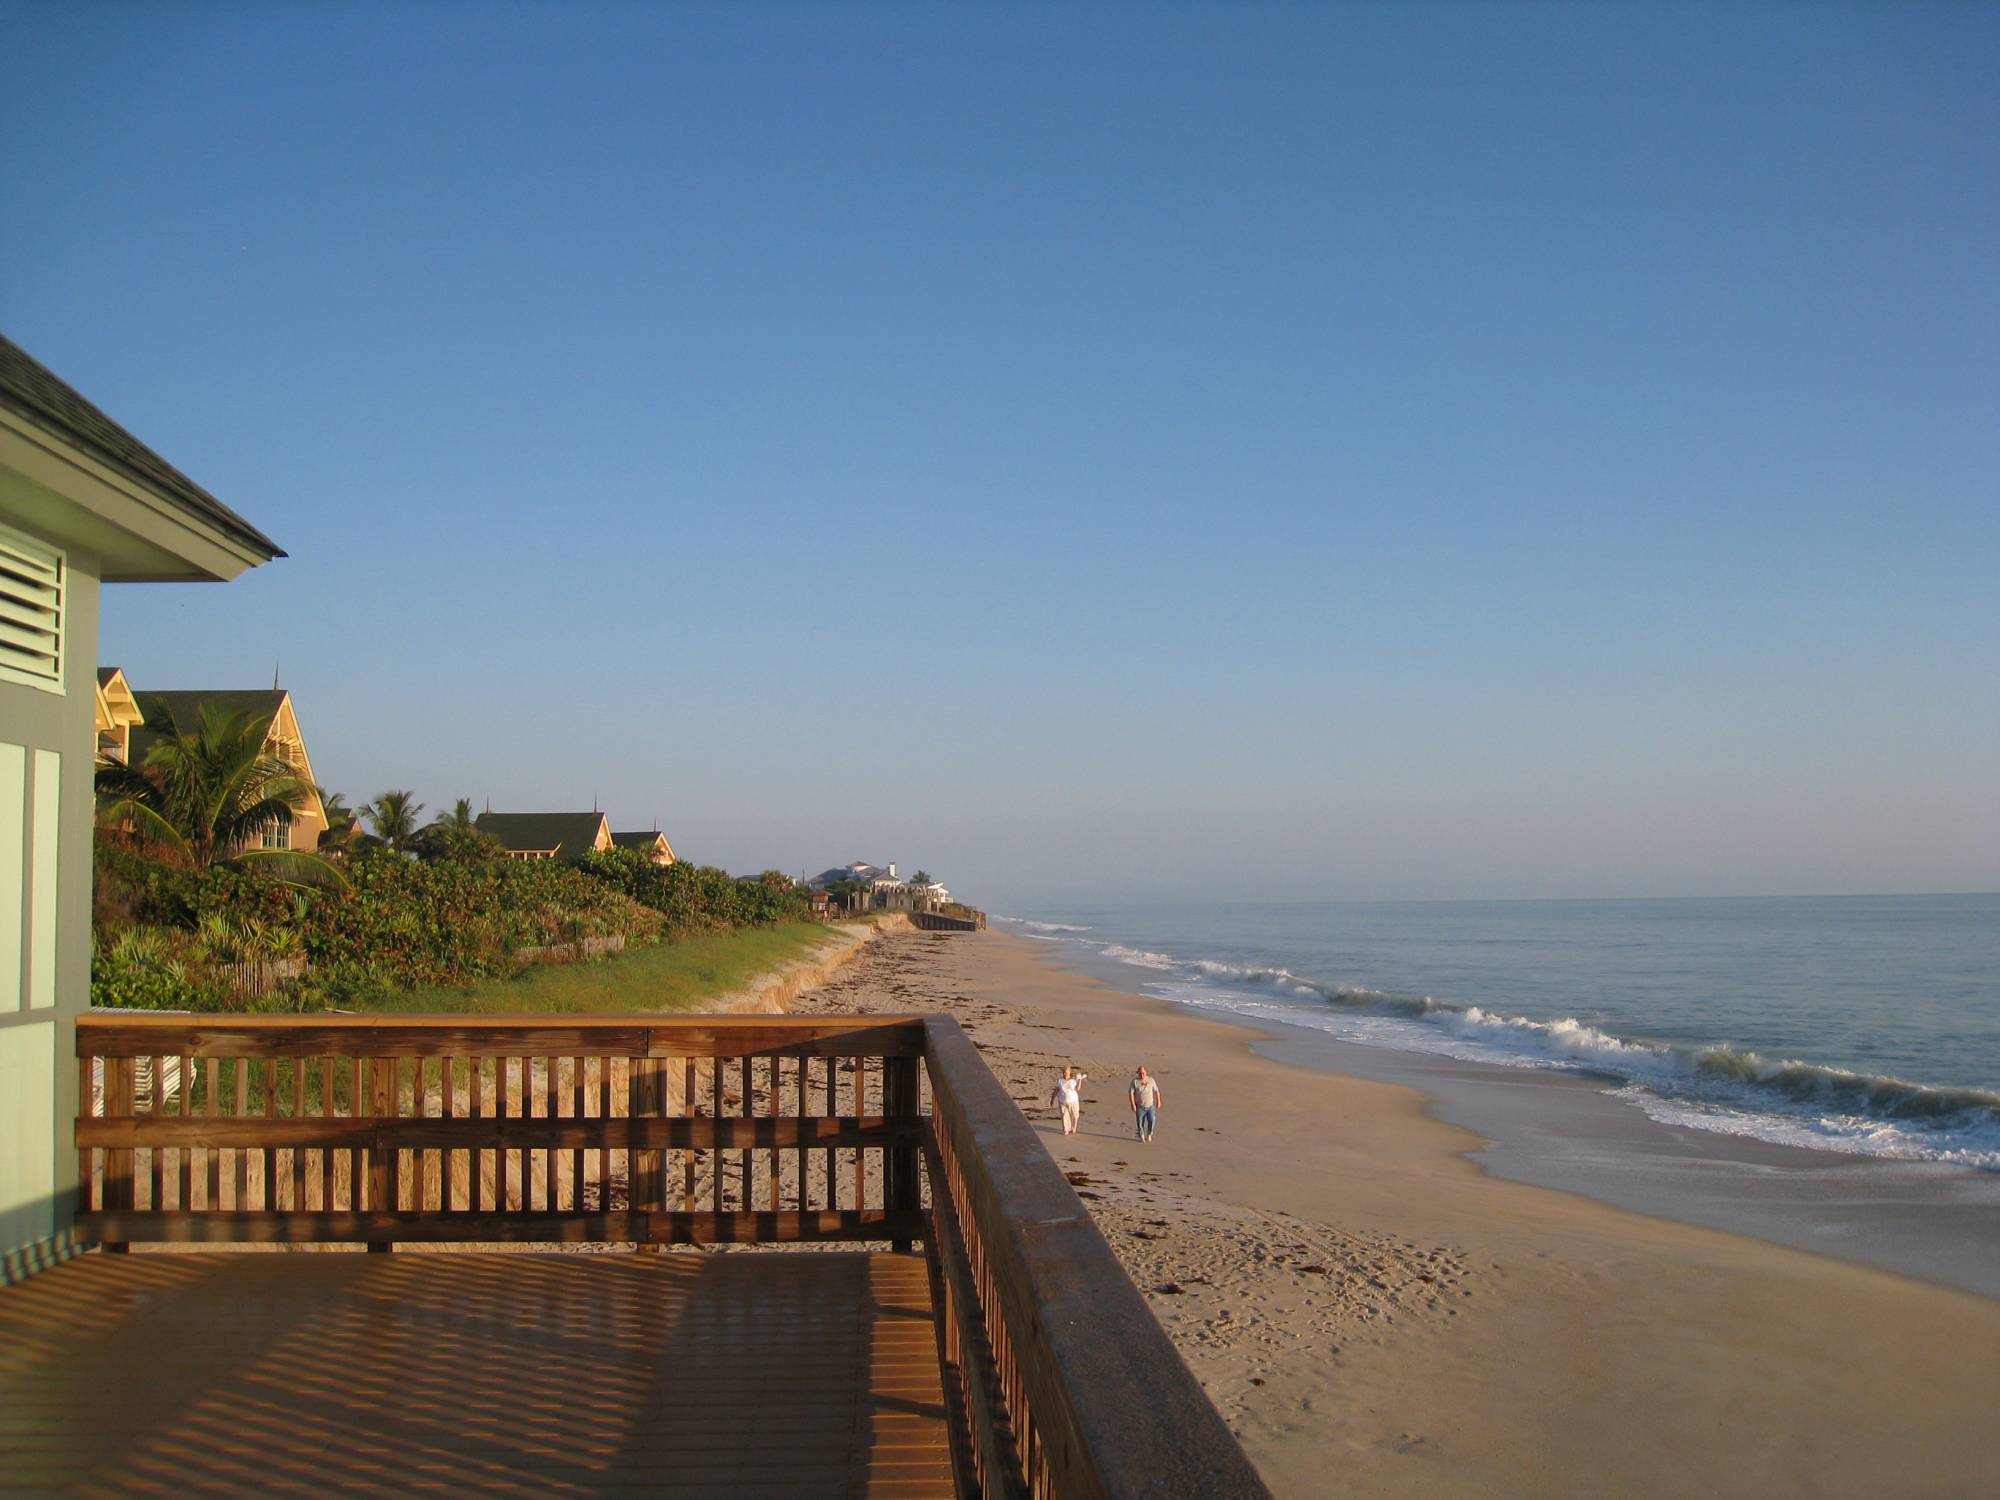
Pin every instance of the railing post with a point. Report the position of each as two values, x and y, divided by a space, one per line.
648 1101
900 1184
118 1194
381 1104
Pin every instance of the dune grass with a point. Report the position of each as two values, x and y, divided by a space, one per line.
670 976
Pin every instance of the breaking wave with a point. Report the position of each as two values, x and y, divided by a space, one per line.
1715 1087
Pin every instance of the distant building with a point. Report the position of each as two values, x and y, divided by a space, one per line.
117 714
874 876
930 893
272 707
653 845
559 835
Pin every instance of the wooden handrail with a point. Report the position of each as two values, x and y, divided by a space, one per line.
659 1130
1096 1400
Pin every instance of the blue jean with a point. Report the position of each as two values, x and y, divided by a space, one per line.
1145 1121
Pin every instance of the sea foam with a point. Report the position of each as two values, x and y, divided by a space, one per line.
1714 1087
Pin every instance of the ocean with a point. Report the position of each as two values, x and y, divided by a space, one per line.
1865 1025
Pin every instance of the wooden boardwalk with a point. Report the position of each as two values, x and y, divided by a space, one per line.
781 1374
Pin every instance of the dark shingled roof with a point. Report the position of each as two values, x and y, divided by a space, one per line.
569 834
184 710
32 390
644 840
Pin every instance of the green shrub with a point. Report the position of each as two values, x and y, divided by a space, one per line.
695 898
155 968
169 937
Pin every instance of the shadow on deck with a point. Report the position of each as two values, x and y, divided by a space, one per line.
1013 1358
776 1374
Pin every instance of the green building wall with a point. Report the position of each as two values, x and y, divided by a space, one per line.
47 741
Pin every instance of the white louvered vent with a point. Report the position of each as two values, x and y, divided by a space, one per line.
32 577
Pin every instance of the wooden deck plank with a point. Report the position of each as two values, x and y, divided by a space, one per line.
779 1373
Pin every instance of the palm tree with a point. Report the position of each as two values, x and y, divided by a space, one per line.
455 835
342 823
393 818
210 792
458 820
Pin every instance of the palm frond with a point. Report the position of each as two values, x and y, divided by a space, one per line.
296 867
144 820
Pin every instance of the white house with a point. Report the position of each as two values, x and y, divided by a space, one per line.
82 501
875 877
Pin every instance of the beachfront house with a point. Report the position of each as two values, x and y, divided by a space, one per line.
272 708
82 502
652 844
882 888
547 835
116 715
875 877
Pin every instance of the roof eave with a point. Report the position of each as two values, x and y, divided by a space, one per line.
140 535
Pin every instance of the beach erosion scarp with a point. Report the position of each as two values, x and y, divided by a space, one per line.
773 993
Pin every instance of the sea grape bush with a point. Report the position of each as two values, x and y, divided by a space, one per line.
397 924
694 899
174 938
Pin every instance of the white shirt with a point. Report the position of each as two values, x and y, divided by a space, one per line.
1070 1090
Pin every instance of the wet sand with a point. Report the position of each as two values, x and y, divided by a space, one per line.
1375 1314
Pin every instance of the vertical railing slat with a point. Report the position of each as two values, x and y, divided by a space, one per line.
576 1101
715 1155
689 1106
298 1152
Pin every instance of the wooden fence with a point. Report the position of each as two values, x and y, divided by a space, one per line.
381 1129
653 1130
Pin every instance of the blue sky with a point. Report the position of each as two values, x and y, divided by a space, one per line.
1318 452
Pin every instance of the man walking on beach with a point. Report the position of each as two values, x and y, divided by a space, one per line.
1146 1101
1068 1096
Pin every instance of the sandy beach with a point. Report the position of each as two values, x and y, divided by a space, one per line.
1374 1314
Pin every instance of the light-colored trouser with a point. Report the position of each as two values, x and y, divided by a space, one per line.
1069 1114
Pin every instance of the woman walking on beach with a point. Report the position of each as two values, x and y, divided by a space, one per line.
1146 1101
1068 1097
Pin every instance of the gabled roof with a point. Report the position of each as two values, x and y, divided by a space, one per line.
647 839
184 708
33 391
118 704
567 833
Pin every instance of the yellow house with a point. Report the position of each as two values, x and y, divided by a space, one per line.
117 715
547 835
281 738
652 844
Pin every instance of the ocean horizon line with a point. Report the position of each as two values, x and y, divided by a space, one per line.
1209 905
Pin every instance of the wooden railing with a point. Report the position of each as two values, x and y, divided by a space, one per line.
1066 1382
380 1129
654 1130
